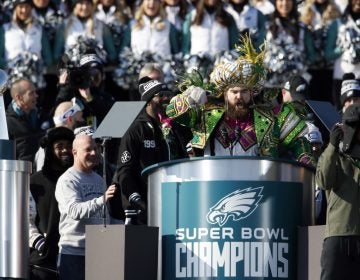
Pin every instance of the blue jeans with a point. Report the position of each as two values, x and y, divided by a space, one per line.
71 267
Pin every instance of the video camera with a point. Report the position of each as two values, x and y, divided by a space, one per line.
84 74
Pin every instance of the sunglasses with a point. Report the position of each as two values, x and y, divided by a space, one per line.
164 94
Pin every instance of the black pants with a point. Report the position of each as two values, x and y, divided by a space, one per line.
340 258
42 273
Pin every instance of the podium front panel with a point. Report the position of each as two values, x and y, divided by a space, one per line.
229 218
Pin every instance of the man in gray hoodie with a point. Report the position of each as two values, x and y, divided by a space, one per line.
81 194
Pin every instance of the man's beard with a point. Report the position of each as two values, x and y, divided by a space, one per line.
65 162
239 112
161 107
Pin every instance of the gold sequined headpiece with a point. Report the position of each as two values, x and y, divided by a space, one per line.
248 70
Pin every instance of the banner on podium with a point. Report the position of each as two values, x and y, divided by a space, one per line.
227 229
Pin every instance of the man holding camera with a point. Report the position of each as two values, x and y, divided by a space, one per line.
338 172
85 81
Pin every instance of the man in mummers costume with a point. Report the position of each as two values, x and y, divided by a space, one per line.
227 121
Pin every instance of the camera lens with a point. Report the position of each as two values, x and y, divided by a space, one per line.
95 76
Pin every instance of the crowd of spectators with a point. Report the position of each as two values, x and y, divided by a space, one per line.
47 43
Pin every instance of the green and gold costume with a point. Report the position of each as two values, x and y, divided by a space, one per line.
278 128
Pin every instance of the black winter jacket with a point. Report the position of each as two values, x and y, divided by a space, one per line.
25 135
142 145
42 187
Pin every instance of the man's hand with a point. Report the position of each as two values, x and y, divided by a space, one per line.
110 192
196 95
39 244
86 94
336 135
63 77
139 205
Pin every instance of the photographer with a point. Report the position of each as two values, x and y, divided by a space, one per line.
85 81
338 173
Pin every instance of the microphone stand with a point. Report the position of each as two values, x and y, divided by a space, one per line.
103 144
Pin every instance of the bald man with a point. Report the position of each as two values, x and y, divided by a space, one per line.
69 114
81 196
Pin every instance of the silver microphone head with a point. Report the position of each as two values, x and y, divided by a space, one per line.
3 125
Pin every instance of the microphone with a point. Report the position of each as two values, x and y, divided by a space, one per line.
224 134
237 134
237 138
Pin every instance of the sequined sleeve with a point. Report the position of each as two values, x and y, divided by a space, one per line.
292 132
180 110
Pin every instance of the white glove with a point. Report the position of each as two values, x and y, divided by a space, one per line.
196 95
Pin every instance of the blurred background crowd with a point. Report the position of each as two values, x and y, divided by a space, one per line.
64 47
317 39
75 58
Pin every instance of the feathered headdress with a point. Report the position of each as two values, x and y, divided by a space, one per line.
247 70
194 78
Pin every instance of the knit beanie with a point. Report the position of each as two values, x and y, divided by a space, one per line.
56 134
53 135
349 88
150 88
90 60
84 130
351 122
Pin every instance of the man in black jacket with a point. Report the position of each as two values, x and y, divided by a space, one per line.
44 213
23 120
86 83
150 139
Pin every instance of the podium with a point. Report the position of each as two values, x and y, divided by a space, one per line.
229 217
119 252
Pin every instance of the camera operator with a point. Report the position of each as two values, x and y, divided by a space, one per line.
338 173
85 81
